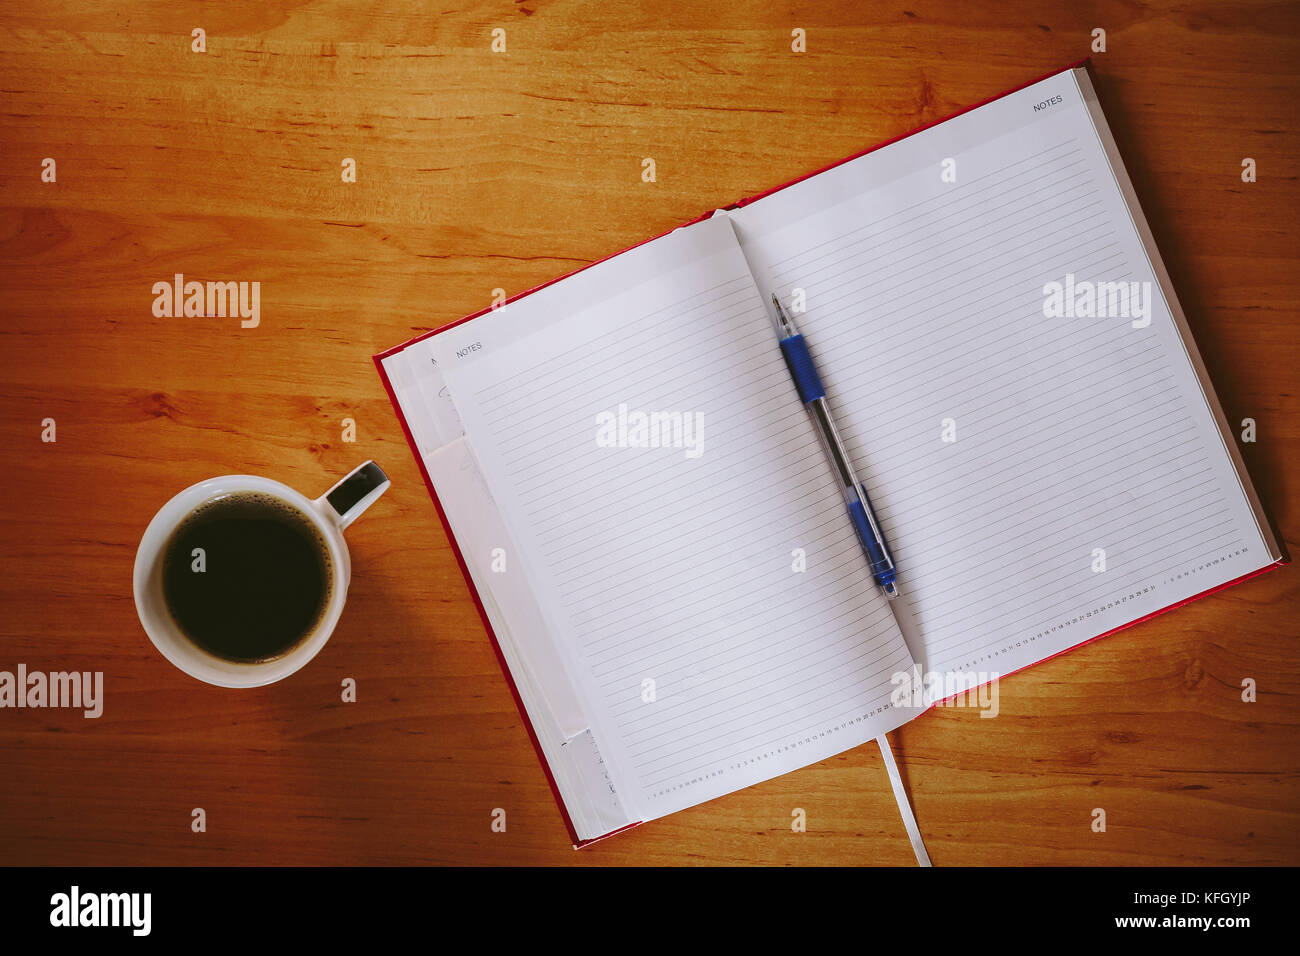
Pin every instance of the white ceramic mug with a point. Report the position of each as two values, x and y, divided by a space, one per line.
331 513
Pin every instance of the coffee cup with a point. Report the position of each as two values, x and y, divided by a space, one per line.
240 580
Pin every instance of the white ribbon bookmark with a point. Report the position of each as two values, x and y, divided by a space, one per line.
904 805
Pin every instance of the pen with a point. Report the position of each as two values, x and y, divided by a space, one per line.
809 384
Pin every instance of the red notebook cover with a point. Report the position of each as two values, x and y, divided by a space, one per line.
487 625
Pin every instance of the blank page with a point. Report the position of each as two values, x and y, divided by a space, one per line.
1042 480
706 660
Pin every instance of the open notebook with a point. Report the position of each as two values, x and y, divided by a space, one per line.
633 485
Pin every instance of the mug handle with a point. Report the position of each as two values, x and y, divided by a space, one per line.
356 492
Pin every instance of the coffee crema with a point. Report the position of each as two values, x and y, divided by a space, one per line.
247 577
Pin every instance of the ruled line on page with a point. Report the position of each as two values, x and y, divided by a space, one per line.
876 695
839 240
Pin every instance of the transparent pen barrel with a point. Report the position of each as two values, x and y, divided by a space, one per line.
856 502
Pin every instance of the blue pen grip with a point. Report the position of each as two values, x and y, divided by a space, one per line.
802 370
882 566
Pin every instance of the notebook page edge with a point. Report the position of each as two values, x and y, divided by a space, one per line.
1101 128
533 731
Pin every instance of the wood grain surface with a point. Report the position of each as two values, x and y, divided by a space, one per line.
479 170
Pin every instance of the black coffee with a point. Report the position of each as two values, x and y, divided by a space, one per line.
247 577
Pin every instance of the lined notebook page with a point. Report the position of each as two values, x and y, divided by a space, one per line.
1087 484
707 663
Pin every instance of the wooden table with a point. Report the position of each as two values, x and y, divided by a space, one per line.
478 170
